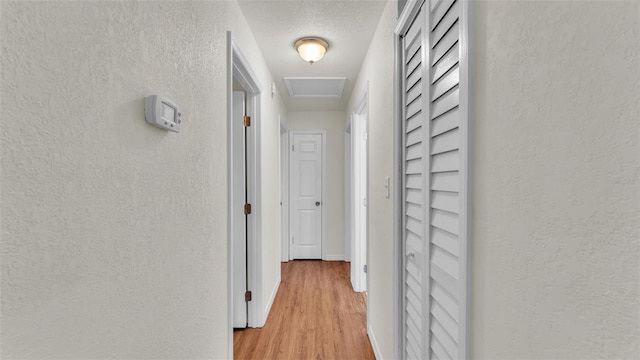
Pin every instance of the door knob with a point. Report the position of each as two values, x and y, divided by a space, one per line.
317 203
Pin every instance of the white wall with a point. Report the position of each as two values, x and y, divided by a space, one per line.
114 233
556 247
378 70
270 182
333 122
555 254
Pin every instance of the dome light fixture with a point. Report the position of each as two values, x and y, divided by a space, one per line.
311 49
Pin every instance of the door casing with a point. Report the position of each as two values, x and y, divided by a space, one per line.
284 191
348 160
360 191
238 68
239 225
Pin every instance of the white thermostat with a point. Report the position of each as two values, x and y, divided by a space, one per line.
162 113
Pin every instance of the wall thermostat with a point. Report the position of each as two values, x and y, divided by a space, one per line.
162 113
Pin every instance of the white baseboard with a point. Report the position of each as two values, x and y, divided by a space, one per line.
274 292
334 257
374 343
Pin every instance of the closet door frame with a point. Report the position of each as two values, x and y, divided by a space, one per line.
467 76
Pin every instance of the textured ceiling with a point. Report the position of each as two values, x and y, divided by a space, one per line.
348 26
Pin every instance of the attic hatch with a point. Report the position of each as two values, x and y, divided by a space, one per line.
315 87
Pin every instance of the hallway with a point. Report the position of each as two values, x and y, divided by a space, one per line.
315 315
503 179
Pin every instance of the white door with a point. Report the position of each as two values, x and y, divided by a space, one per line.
434 184
238 218
413 197
359 143
306 196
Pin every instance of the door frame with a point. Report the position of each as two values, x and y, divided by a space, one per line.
238 223
360 253
467 74
284 191
238 68
323 134
348 163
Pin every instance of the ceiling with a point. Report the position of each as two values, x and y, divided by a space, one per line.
347 25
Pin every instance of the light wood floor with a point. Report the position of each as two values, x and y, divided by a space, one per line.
316 315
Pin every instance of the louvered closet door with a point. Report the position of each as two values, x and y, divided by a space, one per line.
435 199
414 159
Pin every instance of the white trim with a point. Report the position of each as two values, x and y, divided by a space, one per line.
323 134
284 196
398 248
359 256
466 195
374 343
351 187
240 69
334 257
409 13
347 192
363 102
229 193
272 298
289 161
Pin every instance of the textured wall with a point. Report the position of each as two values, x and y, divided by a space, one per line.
377 69
334 123
114 232
556 247
270 204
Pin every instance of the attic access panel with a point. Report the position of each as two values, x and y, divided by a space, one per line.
315 87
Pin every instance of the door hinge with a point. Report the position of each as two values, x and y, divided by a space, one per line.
247 295
247 209
293 147
247 121
365 268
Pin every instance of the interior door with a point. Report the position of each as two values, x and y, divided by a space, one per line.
414 188
360 193
435 181
306 196
238 218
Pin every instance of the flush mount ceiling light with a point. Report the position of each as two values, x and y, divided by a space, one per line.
311 49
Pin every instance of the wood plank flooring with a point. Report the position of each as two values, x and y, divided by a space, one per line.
315 315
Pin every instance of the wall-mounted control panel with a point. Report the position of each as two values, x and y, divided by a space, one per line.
163 113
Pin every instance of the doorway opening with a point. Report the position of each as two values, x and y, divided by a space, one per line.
358 192
239 195
244 188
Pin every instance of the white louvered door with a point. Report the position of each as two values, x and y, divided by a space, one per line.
435 175
414 200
